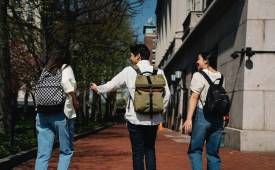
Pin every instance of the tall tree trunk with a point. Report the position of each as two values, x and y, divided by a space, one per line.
47 19
107 108
99 109
84 97
5 73
94 107
84 104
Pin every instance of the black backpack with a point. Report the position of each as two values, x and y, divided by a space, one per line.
49 94
217 101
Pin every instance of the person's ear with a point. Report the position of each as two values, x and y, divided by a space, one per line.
138 57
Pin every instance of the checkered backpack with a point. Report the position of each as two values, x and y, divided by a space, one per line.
49 94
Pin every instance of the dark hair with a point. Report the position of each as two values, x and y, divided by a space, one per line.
142 50
205 55
57 56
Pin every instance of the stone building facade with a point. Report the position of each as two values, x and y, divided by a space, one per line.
240 35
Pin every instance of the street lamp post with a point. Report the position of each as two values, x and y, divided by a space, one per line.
177 95
170 114
178 75
173 78
173 120
249 52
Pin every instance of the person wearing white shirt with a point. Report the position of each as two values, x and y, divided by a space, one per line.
205 128
142 128
58 122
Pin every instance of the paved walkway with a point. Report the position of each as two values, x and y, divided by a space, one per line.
110 150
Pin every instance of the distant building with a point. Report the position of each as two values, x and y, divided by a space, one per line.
226 28
150 36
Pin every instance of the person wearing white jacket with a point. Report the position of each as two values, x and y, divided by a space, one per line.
142 128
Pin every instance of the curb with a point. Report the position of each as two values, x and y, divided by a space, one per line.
11 161
8 163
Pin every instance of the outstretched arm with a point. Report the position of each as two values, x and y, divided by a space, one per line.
117 82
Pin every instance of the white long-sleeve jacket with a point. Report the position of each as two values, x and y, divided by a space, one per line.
127 77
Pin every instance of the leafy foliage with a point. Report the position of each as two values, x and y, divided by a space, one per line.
97 34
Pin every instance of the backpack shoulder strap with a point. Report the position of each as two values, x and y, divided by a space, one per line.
206 77
221 80
136 68
155 71
43 73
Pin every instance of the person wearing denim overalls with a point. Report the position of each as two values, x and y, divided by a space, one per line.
203 127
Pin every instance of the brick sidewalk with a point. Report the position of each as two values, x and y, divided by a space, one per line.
110 150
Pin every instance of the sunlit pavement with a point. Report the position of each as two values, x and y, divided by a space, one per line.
110 150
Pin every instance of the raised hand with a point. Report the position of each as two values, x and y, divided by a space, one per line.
94 87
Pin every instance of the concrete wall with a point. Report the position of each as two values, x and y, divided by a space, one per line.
258 125
246 23
172 16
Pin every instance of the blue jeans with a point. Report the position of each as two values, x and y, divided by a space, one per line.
205 129
143 145
49 126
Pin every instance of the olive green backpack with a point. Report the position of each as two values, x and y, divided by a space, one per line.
149 92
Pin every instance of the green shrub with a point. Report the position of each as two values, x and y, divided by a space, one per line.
3 151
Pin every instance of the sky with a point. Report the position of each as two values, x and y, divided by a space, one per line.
147 11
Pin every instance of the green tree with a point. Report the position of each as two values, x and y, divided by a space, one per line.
96 34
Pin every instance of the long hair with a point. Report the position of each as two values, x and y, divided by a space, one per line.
210 58
205 55
58 56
